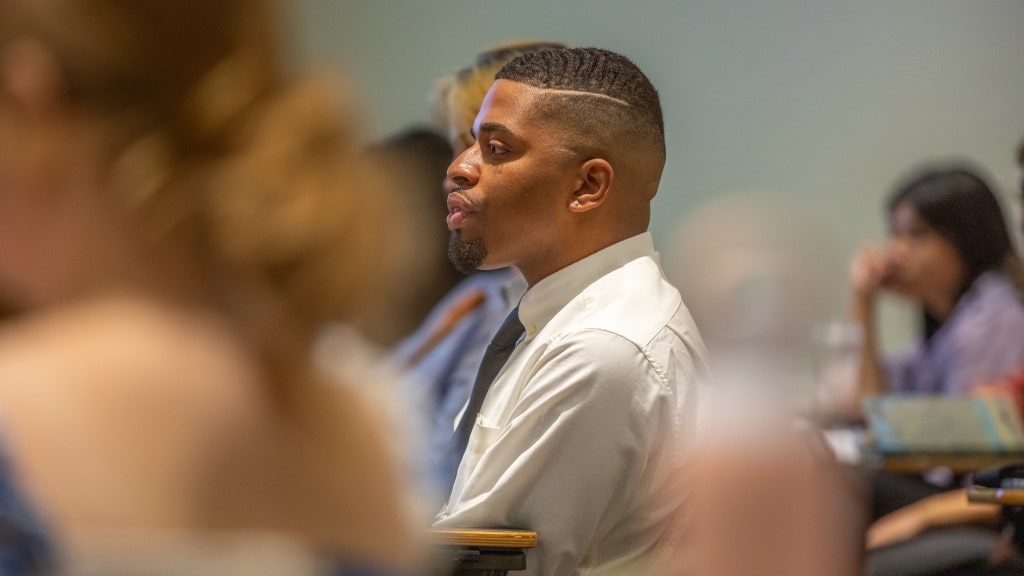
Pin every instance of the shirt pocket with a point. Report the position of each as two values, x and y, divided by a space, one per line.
481 438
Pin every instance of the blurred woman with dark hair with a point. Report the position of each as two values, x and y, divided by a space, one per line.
949 251
945 534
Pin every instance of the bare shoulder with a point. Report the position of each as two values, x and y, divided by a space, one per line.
129 415
106 405
107 354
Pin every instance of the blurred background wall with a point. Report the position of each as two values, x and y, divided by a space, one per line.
819 105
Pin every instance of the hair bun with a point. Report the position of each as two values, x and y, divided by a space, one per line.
298 200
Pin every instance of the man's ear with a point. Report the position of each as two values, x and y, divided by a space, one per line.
596 177
30 78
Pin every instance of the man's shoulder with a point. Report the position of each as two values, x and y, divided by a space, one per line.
636 302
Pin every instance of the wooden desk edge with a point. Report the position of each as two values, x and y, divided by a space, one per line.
484 537
957 462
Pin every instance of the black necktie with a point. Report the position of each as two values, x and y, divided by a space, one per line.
498 351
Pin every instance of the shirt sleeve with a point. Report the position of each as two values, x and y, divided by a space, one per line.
570 458
980 343
899 369
983 350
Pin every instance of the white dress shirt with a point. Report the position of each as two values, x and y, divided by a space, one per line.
581 435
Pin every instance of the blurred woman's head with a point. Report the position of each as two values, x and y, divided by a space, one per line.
194 131
946 229
151 66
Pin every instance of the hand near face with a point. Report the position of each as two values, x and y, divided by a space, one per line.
870 271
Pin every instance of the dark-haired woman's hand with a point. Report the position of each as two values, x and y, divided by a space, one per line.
870 270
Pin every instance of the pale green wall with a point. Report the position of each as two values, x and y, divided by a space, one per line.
825 102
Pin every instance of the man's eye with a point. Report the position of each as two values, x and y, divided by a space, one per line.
495 149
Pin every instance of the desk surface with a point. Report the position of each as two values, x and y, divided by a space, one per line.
484 538
959 463
852 445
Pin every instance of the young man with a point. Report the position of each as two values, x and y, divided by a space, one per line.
444 354
581 433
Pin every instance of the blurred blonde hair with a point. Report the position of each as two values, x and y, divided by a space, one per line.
217 145
458 96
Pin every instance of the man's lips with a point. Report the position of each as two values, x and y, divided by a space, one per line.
458 209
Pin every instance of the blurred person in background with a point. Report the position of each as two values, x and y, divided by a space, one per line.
944 533
181 214
420 158
766 494
769 498
949 251
444 354
759 292
458 96
6 311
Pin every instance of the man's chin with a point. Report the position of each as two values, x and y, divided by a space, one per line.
468 256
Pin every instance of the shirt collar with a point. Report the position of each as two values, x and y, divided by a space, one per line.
543 300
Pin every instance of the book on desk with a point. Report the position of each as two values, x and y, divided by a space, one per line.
968 431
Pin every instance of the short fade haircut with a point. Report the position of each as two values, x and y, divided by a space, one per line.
457 97
600 72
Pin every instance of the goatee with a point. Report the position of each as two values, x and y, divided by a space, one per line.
467 256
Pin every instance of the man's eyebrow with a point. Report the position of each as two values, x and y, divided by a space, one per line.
490 127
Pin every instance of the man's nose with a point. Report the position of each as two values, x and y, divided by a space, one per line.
464 171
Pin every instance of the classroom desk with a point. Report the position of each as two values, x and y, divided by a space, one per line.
959 463
852 444
484 552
